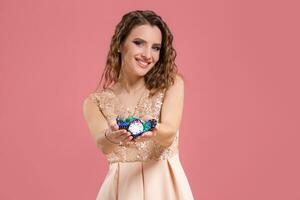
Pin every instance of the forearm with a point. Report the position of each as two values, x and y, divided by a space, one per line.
104 144
165 134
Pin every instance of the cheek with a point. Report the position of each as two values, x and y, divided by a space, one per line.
129 56
133 50
156 57
127 51
126 57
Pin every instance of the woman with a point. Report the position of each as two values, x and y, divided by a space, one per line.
140 80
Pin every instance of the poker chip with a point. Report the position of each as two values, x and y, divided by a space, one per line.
136 126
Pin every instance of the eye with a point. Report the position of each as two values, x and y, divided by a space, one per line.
137 42
156 48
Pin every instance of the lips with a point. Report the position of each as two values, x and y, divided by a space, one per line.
142 63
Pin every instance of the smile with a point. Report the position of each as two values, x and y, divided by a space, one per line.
142 63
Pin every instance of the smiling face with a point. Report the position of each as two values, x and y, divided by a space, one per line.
140 50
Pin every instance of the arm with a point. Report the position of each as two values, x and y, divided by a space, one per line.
171 113
98 125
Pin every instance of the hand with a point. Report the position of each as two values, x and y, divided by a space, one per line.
148 134
116 136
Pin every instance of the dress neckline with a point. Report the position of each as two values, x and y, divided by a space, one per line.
126 108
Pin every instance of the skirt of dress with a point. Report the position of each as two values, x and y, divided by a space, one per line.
151 180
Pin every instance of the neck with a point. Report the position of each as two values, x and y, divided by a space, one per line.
131 84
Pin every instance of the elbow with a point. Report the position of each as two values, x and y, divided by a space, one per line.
100 145
103 146
169 138
166 134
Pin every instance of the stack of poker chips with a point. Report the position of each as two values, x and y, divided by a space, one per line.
136 126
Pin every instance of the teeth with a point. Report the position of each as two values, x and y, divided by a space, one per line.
142 63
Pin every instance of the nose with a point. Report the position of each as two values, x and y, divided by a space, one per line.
147 53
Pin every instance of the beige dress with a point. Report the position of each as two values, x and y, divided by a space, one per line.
143 170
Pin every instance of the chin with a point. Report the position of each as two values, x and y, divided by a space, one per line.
142 72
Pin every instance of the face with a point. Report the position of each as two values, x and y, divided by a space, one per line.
140 51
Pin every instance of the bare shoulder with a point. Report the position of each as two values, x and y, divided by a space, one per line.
89 105
89 100
178 85
179 81
93 99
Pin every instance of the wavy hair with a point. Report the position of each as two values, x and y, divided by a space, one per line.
163 73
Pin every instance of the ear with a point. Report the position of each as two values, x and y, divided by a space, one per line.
119 48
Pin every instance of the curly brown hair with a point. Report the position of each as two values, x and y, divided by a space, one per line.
162 75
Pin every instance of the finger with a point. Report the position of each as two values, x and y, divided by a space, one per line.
118 133
156 127
137 139
141 138
122 134
154 133
146 134
114 126
155 130
128 138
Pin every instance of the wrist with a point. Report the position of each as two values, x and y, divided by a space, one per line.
106 132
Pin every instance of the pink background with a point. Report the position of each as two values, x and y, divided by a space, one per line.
240 59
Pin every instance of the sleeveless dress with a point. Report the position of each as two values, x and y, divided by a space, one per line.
143 170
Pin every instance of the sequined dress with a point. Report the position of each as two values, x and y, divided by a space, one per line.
144 170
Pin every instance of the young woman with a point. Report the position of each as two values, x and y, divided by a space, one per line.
140 80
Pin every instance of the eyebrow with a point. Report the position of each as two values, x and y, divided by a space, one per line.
155 44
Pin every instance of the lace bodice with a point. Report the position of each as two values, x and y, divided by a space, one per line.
109 104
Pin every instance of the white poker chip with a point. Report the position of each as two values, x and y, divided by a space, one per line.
136 127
